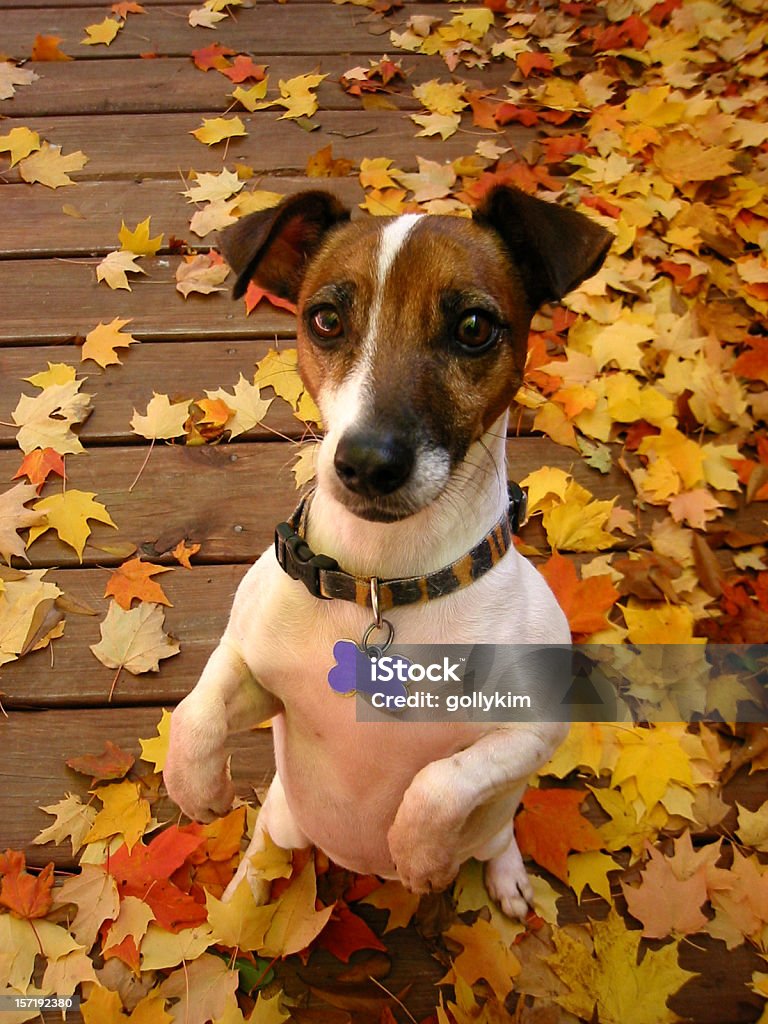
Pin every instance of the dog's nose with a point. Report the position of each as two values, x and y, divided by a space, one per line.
372 464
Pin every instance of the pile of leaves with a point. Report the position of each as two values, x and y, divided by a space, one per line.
650 117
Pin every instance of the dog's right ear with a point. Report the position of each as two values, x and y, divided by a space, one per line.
274 246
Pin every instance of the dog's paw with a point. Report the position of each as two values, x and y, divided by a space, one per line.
423 864
508 884
203 790
196 771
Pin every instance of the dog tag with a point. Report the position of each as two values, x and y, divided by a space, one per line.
360 669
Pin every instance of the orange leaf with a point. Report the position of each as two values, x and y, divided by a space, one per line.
549 826
26 896
134 580
213 56
528 62
112 763
39 464
47 48
254 295
585 602
241 69
183 552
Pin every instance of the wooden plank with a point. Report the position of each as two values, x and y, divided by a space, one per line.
229 497
53 301
180 370
161 146
88 220
33 773
269 28
130 85
68 674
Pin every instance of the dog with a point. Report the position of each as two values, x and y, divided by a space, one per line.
412 336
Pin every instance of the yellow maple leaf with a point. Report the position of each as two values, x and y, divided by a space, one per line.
73 821
68 514
45 420
279 370
578 523
138 241
591 869
259 199
245 404
155 749
134 640
162 420
208 187
19 142
101 342
607 976
395 898
297 95
216 129
239 922
114 268
386 202
651 759
485 955
161 949
49 167
377 172
103 32
252 97
665 624
444 125
296 922
441 97
125 812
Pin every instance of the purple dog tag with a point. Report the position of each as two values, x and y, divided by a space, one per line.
354 671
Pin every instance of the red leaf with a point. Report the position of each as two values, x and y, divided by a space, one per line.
345 933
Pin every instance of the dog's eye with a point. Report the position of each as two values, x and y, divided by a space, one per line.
476 330
325 323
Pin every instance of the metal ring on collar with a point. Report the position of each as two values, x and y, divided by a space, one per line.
378 648
375 601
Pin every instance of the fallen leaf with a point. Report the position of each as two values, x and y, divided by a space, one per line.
549 825
162 420
296 922
104 32
68 514
27 896
133 581
19 142
101 342
11 76
47 48
203 273
138 241
114 269
38 465
49 167
135 639
14 516
216 129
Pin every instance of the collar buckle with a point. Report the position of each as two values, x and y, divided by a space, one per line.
300 562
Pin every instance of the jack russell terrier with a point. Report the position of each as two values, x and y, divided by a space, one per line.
412 334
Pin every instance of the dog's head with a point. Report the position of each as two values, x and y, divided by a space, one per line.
412 330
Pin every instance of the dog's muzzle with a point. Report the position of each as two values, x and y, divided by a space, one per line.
373 464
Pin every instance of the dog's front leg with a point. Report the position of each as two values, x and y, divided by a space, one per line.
451 808
226 699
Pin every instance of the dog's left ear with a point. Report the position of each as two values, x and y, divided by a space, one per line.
274 246
553 248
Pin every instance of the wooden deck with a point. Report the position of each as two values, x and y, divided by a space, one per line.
132 117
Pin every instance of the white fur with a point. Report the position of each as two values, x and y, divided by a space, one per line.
407 801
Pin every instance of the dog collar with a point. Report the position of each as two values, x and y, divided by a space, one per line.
323 577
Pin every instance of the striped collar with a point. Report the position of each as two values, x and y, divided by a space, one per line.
323 577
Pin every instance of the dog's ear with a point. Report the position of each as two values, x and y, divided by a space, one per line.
274 246
553 248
